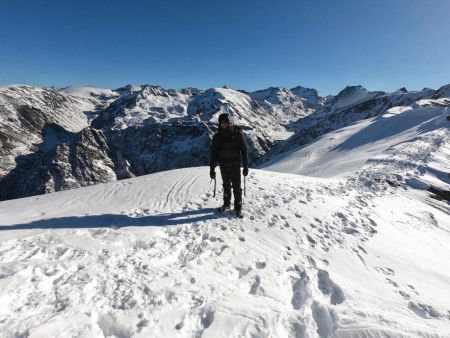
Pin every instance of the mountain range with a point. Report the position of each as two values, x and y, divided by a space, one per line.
57 139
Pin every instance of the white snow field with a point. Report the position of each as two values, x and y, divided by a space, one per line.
360 251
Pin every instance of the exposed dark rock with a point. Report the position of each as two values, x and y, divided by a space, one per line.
64 160
440 194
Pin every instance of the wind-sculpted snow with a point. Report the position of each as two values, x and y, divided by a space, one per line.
336 115
346 150
150 257
360 254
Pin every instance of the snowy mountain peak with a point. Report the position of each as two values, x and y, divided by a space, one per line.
208 105
88 92
191 91
148 90
276 95
353 94
129 89
442 92
311 97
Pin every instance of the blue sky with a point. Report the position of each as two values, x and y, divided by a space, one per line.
246 44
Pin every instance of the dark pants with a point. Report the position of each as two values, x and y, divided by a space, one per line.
231 176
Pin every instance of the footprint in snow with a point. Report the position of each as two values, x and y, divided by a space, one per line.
256 286
325 318
142 323
260 265
288 252
243 271
201 320
311 240
385 270
301 291
404 295
390 281
328 287
423 310
413 289
312 262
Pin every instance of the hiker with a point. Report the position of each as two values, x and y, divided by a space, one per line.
228 148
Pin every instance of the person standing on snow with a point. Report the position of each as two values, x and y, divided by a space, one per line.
228 148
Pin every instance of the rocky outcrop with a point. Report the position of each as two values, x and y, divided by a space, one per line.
64 160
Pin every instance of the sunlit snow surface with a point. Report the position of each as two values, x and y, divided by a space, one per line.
359 251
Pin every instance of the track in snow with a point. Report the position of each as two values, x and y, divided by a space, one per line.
195 271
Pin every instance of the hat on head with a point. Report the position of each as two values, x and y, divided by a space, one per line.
224 117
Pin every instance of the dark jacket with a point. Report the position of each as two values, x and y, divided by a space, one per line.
228 146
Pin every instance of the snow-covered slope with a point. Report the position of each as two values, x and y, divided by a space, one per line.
88 92
24 110
265 111
144 104
346 150
67 111
351 105
351 95
442 92
99 98
311 97
283 103
360 254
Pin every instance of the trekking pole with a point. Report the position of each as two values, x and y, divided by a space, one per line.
214 188
245 186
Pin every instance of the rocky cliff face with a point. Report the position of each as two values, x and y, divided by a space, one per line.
24 110
63 160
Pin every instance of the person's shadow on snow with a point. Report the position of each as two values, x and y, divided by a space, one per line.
117 221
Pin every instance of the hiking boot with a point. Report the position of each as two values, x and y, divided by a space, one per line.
224 207
238 210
